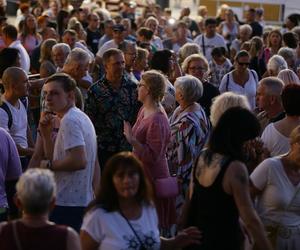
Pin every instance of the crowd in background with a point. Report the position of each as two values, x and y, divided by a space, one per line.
146 131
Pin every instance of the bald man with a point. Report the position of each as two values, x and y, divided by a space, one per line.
13 112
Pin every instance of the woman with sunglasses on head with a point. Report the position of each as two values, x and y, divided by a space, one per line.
123 215
241 80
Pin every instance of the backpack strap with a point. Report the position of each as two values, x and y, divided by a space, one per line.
203 45
253 74
227 82
5 107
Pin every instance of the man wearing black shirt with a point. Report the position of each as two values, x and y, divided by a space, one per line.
93 33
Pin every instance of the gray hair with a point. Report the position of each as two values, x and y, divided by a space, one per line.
194 57
65 48
288 76
277 63
273 85
187 50
246 27
77 56
191 87
287 54
225 101
36 189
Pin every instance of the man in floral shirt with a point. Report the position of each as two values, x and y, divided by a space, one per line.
110 101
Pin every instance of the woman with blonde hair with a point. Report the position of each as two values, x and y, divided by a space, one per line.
150 137
47 67
29 36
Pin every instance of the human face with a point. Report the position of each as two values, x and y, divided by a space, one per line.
30 22
210 30
59 57
229 15
81 70
57 100
181 32
242 64
20 87
69 39
94 22
152 25
130 56
263 100
115 66
118 36
275 39
126 182
197 69
244 35
143 91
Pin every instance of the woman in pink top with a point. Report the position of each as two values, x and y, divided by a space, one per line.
150 137
29 37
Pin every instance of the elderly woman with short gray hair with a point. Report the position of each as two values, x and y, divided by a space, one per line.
189 131
36 191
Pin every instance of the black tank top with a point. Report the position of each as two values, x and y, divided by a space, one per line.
214 212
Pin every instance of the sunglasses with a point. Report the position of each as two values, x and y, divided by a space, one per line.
244 63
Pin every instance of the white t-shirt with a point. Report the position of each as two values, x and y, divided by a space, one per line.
74 188
209 44
249 89
274 141
112 232
277 192
24 57
111 44
18 130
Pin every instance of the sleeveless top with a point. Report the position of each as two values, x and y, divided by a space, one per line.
49 237
214 212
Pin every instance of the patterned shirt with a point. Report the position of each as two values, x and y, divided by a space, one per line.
108 108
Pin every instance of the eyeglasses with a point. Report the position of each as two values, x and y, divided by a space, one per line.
243 63
197 68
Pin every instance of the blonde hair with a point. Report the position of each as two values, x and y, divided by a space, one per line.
295 135
191 58
225 101
156 84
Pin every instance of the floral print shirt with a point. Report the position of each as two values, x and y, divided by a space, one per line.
108 108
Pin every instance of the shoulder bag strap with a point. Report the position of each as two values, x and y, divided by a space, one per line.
132 229
16 236
203 45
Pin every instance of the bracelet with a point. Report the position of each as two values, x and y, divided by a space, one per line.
49 165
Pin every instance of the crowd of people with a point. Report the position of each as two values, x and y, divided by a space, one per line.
147 132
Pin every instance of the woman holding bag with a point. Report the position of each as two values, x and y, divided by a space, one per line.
150 137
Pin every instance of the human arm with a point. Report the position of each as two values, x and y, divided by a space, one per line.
75 159
87 242
236 183
96 176
45 129
38 154
186 237
73 241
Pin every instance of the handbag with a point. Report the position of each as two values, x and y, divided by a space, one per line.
166 187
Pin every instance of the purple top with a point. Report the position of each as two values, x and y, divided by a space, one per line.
10 166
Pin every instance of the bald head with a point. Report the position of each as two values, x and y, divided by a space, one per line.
12 76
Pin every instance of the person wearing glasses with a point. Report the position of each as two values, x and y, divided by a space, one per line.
197 66
241 80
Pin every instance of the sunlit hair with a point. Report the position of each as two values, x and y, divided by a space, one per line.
288 76
225 101
295 135
192 58
191 88
187 50
156 84
107 196
36 189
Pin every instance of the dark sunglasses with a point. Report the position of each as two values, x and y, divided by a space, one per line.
244 63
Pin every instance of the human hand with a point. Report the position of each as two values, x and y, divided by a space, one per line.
46 124
188 236
44 164
128 132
